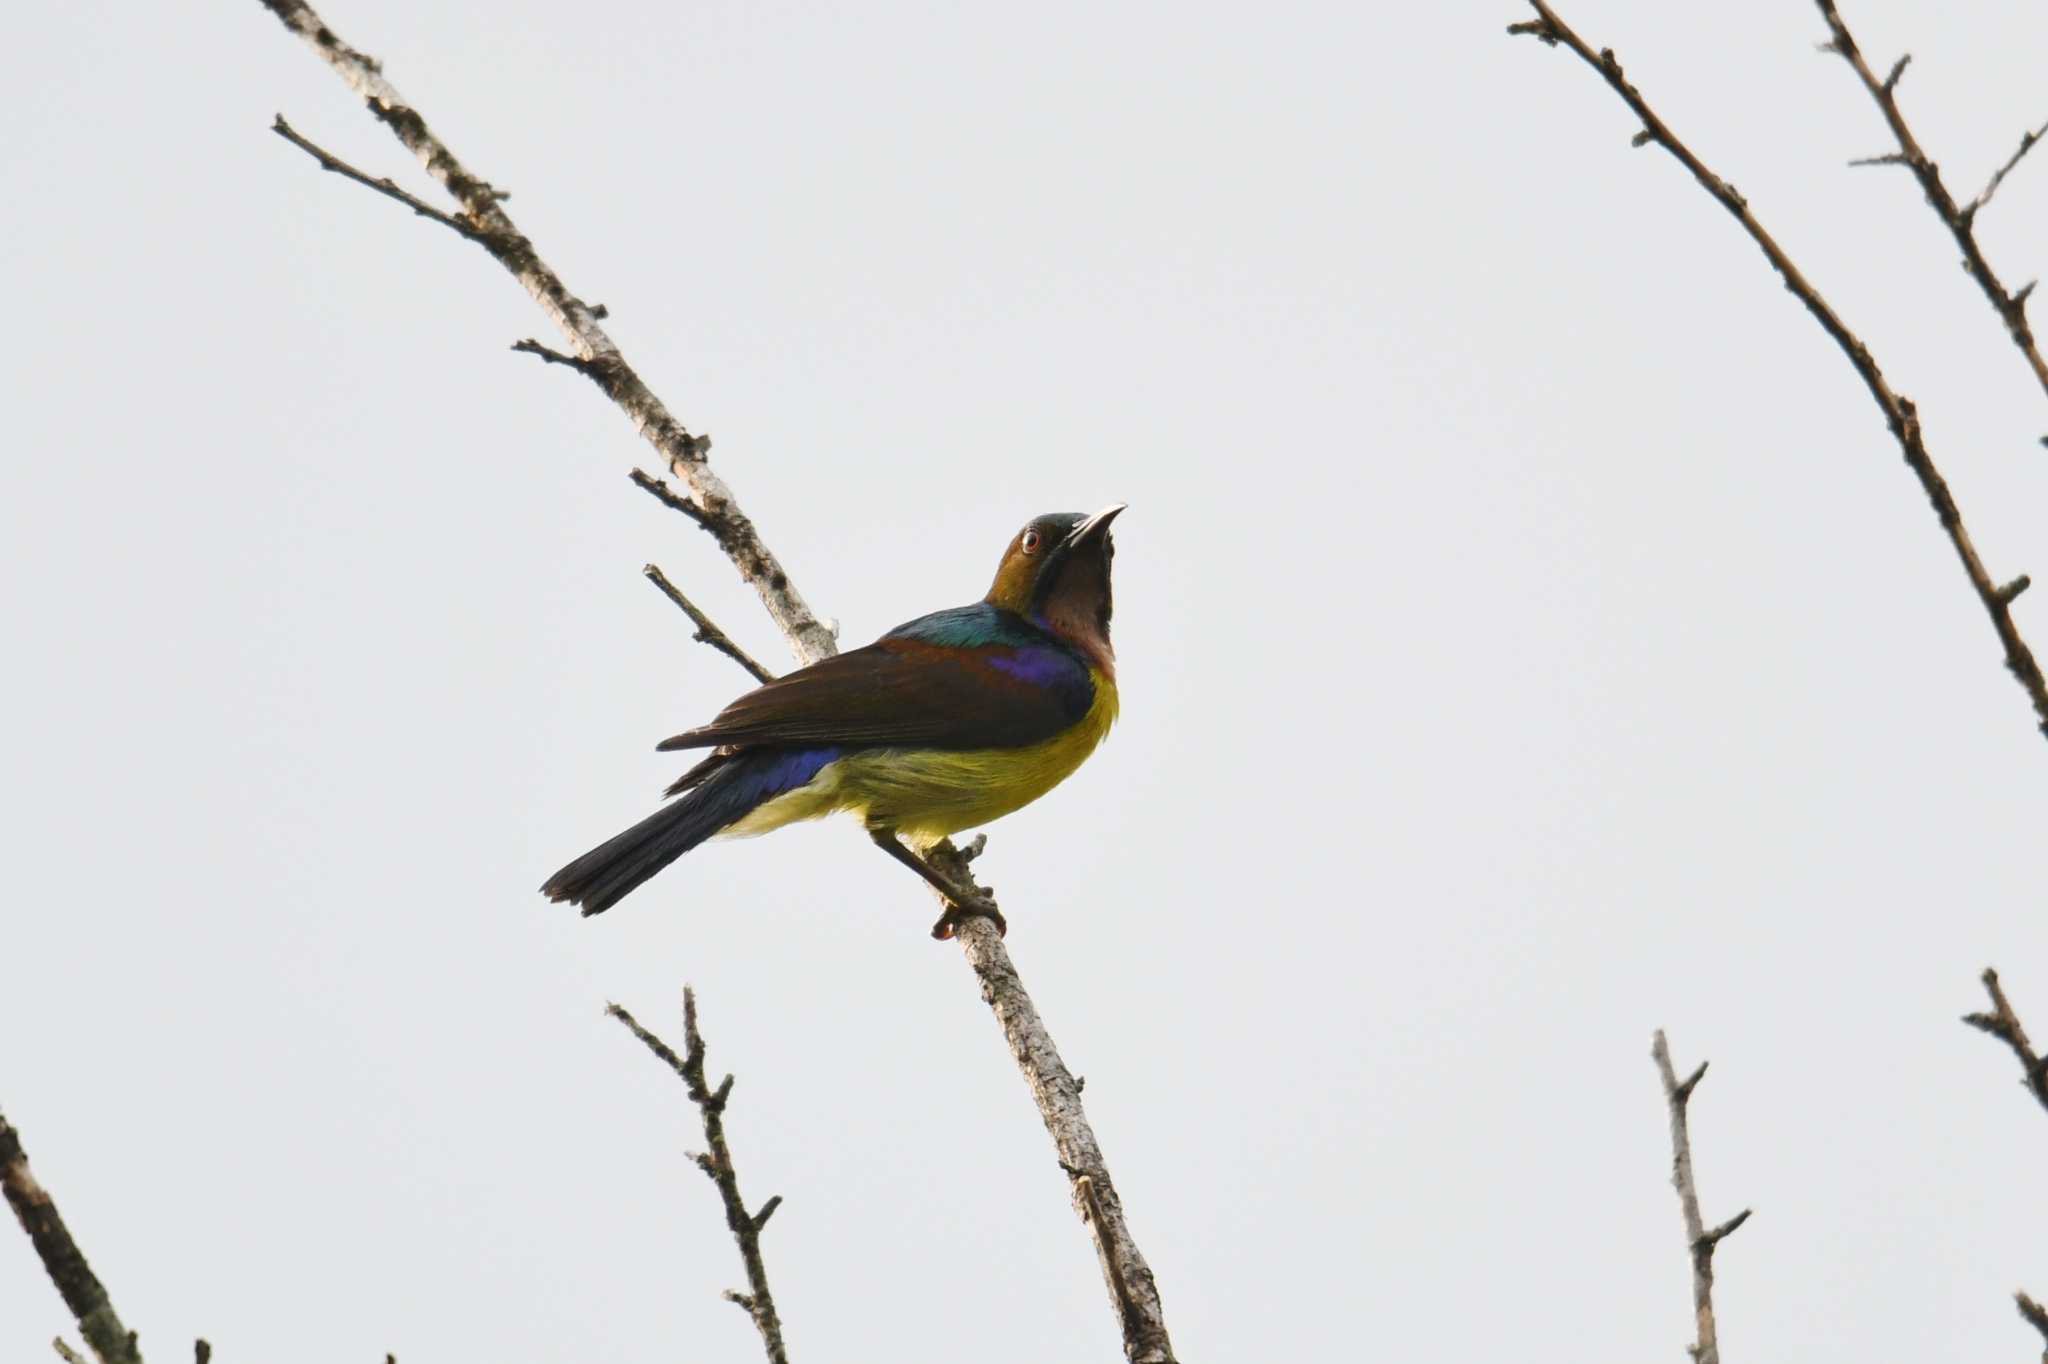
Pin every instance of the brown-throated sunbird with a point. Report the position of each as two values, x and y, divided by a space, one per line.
949 721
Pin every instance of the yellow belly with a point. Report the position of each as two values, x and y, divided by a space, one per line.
926 794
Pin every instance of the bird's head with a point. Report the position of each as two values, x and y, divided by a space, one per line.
1056 574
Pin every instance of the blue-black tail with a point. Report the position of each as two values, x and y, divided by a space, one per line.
720 793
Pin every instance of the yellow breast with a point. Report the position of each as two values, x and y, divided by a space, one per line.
926 794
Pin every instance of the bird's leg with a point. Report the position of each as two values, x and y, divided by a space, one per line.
960 903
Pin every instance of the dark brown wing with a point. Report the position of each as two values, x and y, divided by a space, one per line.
910 692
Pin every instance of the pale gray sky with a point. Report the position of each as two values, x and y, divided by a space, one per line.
1529 637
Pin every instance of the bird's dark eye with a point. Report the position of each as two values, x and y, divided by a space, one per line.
1032 540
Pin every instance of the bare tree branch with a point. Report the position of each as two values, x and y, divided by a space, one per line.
707 630
83 1293
716 1163
1699 1238
1960 220
1132 1289
2003 1024
600 358
1129 1280
1899 412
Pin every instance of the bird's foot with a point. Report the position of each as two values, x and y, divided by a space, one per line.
959 910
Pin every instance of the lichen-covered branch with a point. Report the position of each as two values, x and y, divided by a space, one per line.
1700 1239
716 1162
710 503
1132 1289
81 1289
1900 415
598 356
1959 219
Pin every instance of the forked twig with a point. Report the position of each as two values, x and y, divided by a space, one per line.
2004 1024
1899 412
716 1162
1700 1239
1959 219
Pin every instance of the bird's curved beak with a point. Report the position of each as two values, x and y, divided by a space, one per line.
1091 535
1095 525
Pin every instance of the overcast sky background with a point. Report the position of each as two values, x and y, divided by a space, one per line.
1529 637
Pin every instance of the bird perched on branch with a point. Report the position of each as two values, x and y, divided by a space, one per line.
949 721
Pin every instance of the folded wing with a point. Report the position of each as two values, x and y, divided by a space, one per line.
914 688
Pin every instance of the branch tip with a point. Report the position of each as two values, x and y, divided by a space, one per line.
1722 1232
2003 1022
1700 1241
1960 220
707 630
1898 414
382 184
530 346
674 501
2027 141
716 1163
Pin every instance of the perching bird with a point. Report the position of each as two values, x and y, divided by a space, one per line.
949 721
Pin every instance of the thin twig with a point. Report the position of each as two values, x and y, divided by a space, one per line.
2003 1024
493 229
554 357
2027 141
81 1289
1960 220
2037 1317
384 184
707 629
1699 1238
716 1162
668 497
1125 1272
1899 413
